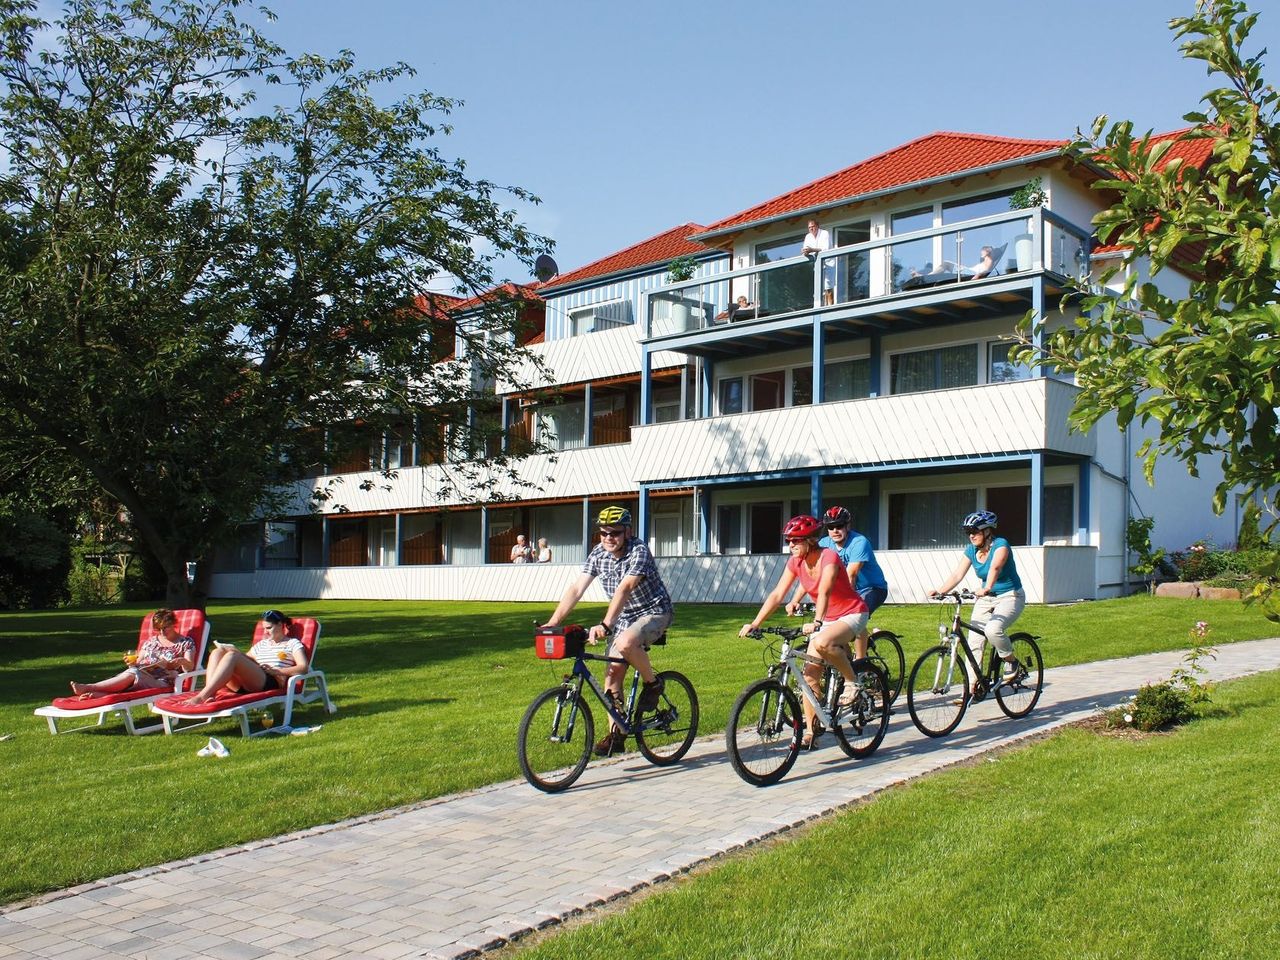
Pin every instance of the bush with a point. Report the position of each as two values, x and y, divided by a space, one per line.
1160 705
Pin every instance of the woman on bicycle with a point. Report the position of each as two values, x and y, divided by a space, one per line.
839 614
1000 598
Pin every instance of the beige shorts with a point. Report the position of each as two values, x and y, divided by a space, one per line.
650 628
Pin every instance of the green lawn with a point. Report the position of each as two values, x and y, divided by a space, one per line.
428 694
1078 846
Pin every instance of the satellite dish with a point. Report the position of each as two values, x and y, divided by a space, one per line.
544 268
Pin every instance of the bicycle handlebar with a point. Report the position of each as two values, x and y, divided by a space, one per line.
954 596
787 633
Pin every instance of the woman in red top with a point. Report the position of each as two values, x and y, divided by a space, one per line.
839 613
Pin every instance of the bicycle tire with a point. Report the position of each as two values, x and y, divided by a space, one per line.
763 735
933 689
667 736
1019 698
893 662
862 728
548 760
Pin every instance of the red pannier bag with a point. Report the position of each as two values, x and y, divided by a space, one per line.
559 643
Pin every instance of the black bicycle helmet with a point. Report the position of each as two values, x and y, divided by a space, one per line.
837 516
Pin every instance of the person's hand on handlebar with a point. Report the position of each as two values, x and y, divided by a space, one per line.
793 608
747 630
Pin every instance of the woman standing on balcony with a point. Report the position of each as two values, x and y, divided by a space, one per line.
839 614
1000 599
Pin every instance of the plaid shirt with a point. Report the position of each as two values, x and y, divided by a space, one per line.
650 594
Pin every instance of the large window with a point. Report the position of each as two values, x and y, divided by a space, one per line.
1059 512
787 288
853 274
729 528
929 519
730 395
767 390
972 208
937 369
847 380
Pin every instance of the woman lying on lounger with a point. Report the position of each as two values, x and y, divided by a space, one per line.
267 666
154 667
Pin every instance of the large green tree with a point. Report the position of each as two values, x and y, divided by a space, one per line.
202 299
1202 368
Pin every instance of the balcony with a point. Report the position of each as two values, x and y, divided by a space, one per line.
965 259
1022 416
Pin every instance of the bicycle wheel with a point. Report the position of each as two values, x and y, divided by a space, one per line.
555 739
885 651
667 736
1018 697
763 736
862 727
938 690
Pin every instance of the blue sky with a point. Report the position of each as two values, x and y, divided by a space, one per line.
627 119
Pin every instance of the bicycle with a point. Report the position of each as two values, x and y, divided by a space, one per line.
884 649
938 690
766 724
558 731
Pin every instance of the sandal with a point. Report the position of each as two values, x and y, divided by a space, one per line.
810 740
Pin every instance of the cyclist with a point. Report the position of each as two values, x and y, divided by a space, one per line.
639 610
860 564
839 614
1000 598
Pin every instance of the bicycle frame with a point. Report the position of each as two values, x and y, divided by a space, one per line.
789 664
582 673
983 680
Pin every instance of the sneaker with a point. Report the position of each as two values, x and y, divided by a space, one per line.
213 748
650 694
615 741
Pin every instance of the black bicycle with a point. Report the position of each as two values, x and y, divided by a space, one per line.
558 731
766 723
884 649
939 692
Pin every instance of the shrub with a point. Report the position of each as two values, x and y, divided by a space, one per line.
1160 705
1157 706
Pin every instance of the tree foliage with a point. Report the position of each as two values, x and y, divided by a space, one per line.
202 301
1202 368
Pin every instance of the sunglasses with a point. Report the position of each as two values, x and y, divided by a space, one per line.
972 530
612 533
837 526
794 540
272 616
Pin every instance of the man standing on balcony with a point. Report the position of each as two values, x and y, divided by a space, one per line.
639 611
815 242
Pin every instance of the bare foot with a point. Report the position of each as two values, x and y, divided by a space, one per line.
79 688
198 698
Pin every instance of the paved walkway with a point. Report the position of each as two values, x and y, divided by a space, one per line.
466 873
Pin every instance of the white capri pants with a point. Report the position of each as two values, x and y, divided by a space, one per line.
995 615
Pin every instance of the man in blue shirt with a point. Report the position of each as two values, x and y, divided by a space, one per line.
859 563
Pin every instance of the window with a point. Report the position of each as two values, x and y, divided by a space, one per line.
802 386
767 390
929 519
666 404
847 380
1002 369
971 208
729 528
937 369
1059 512
786 288
766 527
731 395
281 546
566 422
853 272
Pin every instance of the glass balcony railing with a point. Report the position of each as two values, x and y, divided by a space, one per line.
1019 241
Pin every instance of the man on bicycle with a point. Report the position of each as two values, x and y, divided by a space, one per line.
860 564
639 610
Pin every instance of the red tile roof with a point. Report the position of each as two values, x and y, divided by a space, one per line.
925 158
656 250
436 305
527 292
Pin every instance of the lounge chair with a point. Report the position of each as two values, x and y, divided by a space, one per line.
177 714
191 623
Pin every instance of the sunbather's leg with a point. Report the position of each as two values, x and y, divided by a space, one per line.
234 669
121 681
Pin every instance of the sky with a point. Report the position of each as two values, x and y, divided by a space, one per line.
629 119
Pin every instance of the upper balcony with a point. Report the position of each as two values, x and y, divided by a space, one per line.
996 255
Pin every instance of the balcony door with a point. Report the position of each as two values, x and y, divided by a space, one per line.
765 534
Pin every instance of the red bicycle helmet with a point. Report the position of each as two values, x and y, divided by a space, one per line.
802 526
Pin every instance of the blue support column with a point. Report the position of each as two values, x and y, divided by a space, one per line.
706 385
1082 515
872 532
1037 329
484 534
874 362
325 542
819 362
642 511
1035 522
646 387
815 494
588 525
399 536
703 506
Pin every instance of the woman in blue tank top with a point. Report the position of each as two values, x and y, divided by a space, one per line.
1000 598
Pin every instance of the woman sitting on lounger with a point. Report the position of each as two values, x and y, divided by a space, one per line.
267 666
154 667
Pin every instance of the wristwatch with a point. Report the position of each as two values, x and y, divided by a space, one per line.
608 630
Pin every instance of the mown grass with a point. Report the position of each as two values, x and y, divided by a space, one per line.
429 696
1078 846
